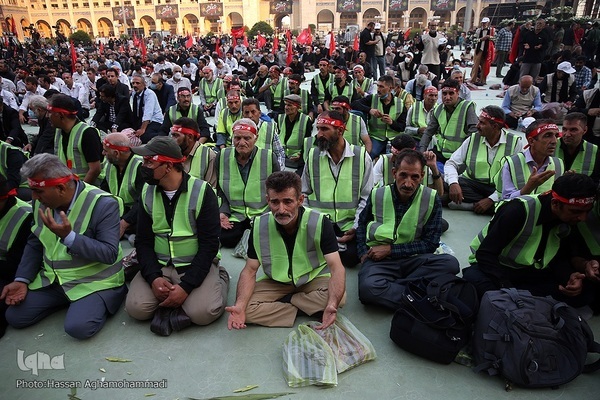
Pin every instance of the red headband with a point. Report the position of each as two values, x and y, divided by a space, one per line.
541 129
494 119
185 131
575 201
429 89
11 193
161 158
184 92
52 181
61 110
245 127
450 89
293 81
233 97
341 104
115 147
330 121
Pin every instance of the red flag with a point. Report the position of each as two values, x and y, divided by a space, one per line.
356 45
260 41
491 53
407 34
237 33
136 41
73 57
275 44
331 44
101 49
218 49
290 49
144 50
514 50
245 41
189 42
304 38
14 26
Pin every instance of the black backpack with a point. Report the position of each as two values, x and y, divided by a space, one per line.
531 341
435 317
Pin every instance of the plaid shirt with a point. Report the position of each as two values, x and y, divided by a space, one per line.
583 77
427 243
504 40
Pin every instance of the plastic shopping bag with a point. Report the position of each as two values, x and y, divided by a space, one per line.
307 359
350 347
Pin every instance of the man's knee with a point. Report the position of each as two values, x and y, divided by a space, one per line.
370 285
206 314
448 263
17 319
139 309
82 328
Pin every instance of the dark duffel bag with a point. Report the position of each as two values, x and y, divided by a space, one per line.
435 317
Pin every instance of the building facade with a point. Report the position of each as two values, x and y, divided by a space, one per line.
104 18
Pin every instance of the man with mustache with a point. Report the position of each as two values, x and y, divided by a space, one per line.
534 170
398 231
298 252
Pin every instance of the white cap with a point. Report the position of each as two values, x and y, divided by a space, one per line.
565 66
527 121
448 47
443 40
377 25
484 20
411 55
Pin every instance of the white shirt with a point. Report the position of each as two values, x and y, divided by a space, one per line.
79 92
191 71
8 85
9 98
183 82
25 104
80 78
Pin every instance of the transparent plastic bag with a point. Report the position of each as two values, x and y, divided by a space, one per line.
307 359
350 347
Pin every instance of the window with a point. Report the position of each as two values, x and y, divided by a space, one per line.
54 5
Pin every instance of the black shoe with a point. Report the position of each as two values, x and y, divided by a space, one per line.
479 84
499 76
179 319
161 324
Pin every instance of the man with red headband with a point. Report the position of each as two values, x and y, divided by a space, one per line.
356 132
186 108
480 158
341 86
209 88
534 170
122 177
337 180
177 244
242 171
519 246
199 159
76 143
15 225
319 83
227 117
306 108
73 258
419 114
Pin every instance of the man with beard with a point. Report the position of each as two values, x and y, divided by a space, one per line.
319 83
44 140
534 170
289 234
186 108
336 161
122 177
578 154
392 251
341 86
199 159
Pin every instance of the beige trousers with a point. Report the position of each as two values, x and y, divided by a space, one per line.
478 61
265 309
203 305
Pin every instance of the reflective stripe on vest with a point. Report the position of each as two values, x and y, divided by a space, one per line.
336 197
384 228
378 129
74 158
586 158
227 119
126 191
366 84
521 251
590 230
199 161
175 114
334 90
294 143
477 166
307 261
418 115
520 172
278 91
175 243
352 132
10 224
451 134
321 87
211 93
246 200
4 148
77 276
266 135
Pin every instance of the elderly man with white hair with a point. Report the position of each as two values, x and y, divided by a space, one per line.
416 86
178 80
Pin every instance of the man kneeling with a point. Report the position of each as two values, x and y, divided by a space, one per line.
298 251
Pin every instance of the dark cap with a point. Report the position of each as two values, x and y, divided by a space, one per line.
161 146
293 98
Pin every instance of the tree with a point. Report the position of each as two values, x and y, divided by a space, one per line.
81 37
261 26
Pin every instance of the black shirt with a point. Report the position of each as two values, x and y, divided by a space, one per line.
8 267
91 146
130 214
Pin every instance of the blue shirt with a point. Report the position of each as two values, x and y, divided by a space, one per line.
151 108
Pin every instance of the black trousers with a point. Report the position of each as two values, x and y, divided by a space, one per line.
473 191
